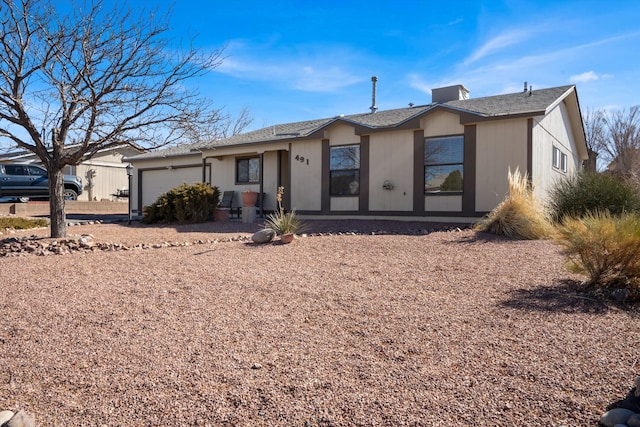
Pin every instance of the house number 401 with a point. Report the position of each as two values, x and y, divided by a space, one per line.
301 159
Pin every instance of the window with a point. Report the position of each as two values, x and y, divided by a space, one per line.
345 170
248 170
443 164
16 170
559 159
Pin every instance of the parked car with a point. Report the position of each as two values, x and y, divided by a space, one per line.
25 181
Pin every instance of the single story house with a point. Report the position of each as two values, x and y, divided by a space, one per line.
444 161
102 175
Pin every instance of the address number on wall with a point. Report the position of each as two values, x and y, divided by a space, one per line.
301 159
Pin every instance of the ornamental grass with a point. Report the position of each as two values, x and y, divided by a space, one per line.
520 215
604 247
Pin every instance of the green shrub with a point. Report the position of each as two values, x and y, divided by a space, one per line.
520 215
18 223
604 247
586 192
184 204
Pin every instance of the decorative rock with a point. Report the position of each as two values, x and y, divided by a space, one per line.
21 419
616 416
263 236
634 421
5 416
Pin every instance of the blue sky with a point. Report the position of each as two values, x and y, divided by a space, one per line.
299 60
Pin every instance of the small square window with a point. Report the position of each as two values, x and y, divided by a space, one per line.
560 159
248 170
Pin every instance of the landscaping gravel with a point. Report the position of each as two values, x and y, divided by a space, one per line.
362 323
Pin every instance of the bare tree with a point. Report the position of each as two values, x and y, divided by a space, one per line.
90 80
218 125
595 129
622 148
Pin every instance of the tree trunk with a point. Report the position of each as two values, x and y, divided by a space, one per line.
56 204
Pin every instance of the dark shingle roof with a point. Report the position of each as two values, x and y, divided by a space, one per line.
491 106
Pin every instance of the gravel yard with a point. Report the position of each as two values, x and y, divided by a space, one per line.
390 326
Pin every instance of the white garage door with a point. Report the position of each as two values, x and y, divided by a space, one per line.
156 182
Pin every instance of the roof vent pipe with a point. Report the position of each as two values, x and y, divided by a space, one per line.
374 108
525 86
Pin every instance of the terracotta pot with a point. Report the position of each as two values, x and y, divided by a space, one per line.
221 214
286 238
249 198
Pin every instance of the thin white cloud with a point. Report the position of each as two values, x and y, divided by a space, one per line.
306 72
584 77
499 42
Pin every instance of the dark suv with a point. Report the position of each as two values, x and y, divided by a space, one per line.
25 181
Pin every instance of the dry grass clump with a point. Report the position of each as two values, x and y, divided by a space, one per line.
520 215
604 247
19 223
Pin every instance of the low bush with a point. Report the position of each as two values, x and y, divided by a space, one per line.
520 215
604 247
18 223
585 192
184 204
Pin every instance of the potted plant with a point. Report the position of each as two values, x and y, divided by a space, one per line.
286 224
249 198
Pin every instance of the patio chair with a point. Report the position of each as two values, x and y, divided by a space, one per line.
227 202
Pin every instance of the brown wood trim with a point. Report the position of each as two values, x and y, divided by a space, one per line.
325 198
363 200
418 173
470 164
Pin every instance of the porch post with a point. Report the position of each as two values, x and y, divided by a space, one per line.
261 185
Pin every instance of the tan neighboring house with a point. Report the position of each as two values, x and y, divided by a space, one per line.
102 175
443 161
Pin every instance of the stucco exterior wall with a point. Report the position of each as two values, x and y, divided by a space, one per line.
340 134
306 175
391 157
441 123
442 203
500 145
552 129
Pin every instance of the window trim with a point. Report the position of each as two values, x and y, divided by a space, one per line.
247 158
355 170
560 160
427 165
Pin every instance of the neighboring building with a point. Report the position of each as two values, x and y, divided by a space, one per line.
445 161
102 175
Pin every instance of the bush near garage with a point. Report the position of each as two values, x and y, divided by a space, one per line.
184 204
585 192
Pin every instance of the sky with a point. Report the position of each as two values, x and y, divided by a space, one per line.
295 60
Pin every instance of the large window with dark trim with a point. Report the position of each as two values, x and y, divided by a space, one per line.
345 170
443 164
248 170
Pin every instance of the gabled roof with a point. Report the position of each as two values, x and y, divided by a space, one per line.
534 102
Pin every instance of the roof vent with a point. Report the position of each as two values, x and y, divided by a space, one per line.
373 107
449 93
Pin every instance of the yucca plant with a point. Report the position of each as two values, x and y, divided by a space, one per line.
604 247
283 222
520 215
